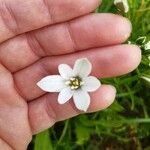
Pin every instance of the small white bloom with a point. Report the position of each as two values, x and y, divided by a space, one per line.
122 5
74 83
147 46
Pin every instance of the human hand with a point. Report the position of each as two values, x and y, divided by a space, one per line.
38 35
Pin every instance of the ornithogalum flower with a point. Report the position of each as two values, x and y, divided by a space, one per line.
74 83
147 46
122 5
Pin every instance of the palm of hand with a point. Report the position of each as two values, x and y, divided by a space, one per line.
28 57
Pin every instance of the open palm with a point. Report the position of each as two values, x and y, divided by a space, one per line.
38 35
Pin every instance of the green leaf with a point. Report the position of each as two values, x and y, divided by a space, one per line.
117 107
82 134
43 142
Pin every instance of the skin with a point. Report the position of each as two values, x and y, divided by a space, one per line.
35 37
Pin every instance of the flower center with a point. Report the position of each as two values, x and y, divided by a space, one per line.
75 83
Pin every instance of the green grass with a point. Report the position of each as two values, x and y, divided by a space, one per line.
126 124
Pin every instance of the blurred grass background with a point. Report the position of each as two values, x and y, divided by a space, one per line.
126 124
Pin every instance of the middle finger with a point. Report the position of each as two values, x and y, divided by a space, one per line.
90 31
107 62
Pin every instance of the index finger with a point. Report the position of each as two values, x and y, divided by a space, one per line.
18 16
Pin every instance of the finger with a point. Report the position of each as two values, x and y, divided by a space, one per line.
19 16
45 111
87 32
107 62
13 114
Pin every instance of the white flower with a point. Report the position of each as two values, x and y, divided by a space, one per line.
74 83
147 46
122 5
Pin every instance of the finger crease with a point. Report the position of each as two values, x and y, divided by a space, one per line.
49 108
8 144
7 16
35 45
45 2
68 28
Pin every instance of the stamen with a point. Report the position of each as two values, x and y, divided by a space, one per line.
75 83
72 88
72 79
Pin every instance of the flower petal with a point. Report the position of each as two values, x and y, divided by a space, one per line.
91 84
54 83
65 71
81 100
147 46
122 5
65 95
82 67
